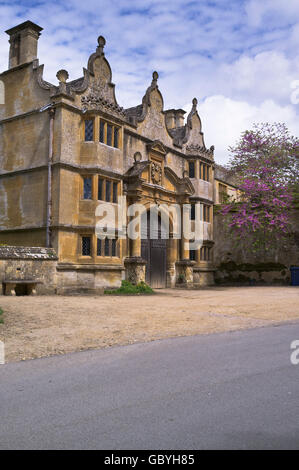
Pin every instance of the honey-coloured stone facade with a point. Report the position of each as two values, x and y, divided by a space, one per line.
146 151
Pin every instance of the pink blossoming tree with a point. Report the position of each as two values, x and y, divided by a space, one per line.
265 163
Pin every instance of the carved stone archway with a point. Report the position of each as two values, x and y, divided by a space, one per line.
144 184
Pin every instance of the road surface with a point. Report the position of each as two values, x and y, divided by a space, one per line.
234 390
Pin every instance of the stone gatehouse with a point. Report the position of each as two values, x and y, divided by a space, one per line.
65 148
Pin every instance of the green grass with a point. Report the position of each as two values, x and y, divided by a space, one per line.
1 313
127 288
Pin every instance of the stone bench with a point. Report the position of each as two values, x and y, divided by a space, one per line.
25 286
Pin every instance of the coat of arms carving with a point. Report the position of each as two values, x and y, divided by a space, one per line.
156 173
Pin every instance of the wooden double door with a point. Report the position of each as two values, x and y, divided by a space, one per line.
153 251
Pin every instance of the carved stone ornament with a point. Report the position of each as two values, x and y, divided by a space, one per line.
137 157
62 75
100 96
156 173
200 149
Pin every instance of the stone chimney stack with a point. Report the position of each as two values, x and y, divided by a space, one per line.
179 117
174 118
23 43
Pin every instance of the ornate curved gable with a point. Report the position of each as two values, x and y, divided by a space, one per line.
190 136
100 93
193 126
100 73
94 91
149 116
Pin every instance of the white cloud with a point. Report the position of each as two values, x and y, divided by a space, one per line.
265 76
261 10
224 119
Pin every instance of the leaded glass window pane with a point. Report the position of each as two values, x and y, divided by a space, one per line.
102 131
109 134
87 193
208 214
115 192
100 189
115 143
113 247
108 190
107 247
86 246
88 130
99 247
191 170
192 211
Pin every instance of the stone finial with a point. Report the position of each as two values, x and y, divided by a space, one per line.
137 157
155 78
194 103
62 75
101 45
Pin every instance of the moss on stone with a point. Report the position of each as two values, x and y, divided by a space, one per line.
231 266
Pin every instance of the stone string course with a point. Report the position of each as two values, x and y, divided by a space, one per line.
25 252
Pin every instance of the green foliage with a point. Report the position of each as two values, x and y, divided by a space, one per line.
1 318
127 288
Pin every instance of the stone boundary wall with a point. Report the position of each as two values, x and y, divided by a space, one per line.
231 273
234 266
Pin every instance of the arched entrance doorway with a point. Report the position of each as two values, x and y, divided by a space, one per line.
153 250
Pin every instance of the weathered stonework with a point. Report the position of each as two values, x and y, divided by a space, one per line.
233 266
203 277
44 158
21 265
135 270
184 270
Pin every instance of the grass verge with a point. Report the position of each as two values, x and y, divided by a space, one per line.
127 288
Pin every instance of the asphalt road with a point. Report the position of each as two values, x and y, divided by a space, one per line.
234 390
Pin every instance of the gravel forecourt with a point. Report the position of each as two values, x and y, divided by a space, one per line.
37 326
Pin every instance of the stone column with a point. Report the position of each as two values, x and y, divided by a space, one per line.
135 269
172 256
135 247
134 264
197 256
184 250
184 267
184 254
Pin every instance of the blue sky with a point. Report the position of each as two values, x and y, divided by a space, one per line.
238 57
